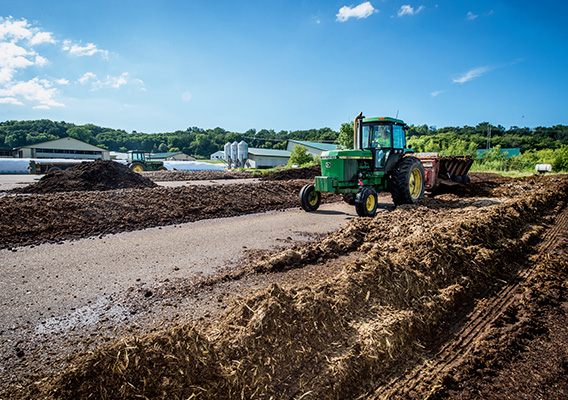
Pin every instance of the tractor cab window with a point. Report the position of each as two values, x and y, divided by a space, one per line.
376 136
399 139
381 136
367 129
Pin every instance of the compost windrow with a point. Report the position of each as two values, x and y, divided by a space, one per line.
410 271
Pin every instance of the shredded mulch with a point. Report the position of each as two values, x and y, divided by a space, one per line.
100 175
294 173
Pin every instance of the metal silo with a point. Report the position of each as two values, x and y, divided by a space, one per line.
242 153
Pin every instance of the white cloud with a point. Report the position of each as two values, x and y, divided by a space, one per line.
62 81
14 56
6 75
472 74
363 10
40 61
35 90
11 100
41 37
89 49
471 16
115 82
15 30
16 53
436 93
408 10
86 78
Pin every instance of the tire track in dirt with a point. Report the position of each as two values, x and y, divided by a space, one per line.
424 380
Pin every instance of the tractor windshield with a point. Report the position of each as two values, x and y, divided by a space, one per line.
378 135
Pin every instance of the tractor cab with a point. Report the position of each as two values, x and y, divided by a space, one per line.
384 137
135 156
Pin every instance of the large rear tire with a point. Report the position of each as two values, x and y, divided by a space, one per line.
407 181
310 199
366 202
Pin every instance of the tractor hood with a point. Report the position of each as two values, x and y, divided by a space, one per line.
346 154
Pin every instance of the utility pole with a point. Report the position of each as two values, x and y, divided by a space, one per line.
489 137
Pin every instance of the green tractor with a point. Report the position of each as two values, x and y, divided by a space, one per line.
379 162
138 162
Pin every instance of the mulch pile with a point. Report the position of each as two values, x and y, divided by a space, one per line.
99 175
333 340
195 175
52 217
294 173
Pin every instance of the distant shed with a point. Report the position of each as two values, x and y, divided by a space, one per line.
266 158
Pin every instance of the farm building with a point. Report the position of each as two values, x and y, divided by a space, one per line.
218 155
67 148
266 158
314 148
172 156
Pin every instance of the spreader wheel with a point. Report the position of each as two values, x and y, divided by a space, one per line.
310 198
407 181
366 202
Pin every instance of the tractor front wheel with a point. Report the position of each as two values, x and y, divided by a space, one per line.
366 202
137 167
407 181
310 198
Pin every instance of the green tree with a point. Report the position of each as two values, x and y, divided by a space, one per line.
81 133
299 156
561 159
345 137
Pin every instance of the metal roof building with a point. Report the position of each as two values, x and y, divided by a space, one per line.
266 158
314 148
68 148
172 156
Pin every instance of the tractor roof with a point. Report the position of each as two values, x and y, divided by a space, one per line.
384 119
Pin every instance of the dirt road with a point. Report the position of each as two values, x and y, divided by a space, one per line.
54 279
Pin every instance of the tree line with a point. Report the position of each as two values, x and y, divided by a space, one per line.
192 141
539 144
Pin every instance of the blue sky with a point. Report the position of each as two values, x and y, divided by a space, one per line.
161 65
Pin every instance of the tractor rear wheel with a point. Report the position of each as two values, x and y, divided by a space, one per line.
310 198
137 167
407 181
366 202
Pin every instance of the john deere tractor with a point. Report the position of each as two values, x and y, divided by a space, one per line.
137 162
379 162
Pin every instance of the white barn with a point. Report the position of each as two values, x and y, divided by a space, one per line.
67 148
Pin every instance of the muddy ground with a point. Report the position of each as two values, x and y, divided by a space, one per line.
462 295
